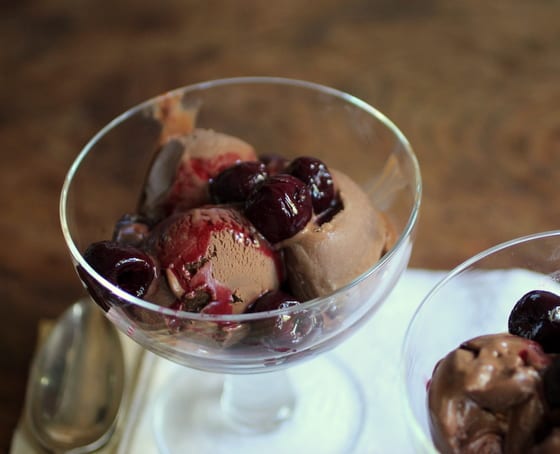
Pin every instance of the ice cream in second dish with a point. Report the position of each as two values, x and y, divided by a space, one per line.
500 393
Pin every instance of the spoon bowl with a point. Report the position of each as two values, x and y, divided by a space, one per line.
76 382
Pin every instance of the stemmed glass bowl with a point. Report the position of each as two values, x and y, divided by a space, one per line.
278 117
474 299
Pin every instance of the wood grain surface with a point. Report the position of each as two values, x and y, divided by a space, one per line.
475 85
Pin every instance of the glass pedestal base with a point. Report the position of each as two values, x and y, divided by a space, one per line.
327 415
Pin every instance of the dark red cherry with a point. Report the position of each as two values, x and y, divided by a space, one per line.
536 316
125 266
317 176
280 207
288 331
235 183
273 300
293 330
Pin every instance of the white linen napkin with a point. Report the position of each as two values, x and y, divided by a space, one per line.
377 377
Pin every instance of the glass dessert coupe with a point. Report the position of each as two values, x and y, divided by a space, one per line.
475 298
268 383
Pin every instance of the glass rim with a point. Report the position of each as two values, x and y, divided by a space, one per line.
200 86
456 271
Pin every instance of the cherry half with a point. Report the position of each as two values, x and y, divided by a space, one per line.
289 331
280 207
318 178
536 316
235 183
127 267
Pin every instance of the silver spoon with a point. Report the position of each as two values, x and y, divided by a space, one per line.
76 382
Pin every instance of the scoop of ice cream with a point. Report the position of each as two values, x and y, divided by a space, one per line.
323 257
215 260
486 396
179 175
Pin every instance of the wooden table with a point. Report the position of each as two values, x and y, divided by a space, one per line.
473 84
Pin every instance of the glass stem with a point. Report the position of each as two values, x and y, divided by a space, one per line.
258 402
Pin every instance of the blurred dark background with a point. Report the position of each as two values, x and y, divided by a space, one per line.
473 84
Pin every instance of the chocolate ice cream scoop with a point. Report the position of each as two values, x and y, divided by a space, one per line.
323 257
179 175
214 260
486 396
